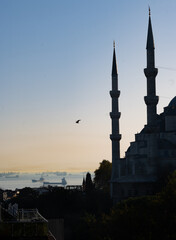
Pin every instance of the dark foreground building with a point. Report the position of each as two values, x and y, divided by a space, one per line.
27 224
153 153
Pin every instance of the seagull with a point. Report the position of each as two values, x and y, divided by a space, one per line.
78 120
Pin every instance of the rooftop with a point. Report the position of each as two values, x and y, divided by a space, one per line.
23 224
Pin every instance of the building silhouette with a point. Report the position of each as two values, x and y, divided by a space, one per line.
153 153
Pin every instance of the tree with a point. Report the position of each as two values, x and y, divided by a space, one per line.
139 218
88 184
103 175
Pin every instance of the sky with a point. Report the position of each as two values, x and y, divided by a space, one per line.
55 68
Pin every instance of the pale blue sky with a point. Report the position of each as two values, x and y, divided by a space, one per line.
55 67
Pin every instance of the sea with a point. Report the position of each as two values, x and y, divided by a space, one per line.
12 181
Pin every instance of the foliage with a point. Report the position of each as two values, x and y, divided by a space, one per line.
142 218
90 215
88 183
103 176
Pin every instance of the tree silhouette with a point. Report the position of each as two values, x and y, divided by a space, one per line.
88 184
103 175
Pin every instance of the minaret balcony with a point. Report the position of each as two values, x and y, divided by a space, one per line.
150 72
114 93
151 100
115 115
115 137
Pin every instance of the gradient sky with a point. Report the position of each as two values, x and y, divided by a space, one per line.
55 68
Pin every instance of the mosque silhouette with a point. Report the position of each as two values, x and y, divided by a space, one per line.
152 156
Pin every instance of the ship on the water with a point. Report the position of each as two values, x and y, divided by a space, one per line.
38 180
12 176
63 182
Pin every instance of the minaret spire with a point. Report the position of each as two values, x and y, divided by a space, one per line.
150 43
114 64
115 115
151 99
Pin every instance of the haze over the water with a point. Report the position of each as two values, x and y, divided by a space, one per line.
55 68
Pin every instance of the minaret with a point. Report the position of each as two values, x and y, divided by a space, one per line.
115 115
151 100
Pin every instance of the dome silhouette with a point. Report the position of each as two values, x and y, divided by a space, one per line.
172 103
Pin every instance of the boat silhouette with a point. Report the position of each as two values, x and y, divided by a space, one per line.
63 182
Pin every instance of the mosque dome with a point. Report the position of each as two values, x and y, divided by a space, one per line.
172 103
170 110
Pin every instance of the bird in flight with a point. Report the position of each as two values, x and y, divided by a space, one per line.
78 120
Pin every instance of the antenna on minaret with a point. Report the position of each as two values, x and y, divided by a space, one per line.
149 11
114 44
